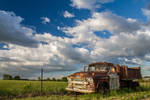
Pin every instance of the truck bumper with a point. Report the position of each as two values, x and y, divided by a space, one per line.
80 90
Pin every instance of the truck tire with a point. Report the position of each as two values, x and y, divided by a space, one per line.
135 85
103 88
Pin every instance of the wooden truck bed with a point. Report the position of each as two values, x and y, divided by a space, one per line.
126 73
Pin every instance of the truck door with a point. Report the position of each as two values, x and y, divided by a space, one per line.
114 81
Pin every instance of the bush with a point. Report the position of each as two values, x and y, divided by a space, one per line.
17 77
7 77
27 88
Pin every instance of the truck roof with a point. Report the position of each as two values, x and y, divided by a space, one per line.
101 63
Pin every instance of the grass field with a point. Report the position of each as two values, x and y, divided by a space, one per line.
12 88
30 90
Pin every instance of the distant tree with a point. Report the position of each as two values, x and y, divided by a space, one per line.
17 77
7 77
39 78
53 79
58 80
48 79
64 79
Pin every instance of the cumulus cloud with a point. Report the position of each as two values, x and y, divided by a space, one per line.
101 22
12 31
57 55
146 12
88 4
5 46
45 20
68 15
128 43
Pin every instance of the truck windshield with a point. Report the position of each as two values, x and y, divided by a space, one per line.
98 68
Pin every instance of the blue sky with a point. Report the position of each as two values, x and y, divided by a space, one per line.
65 35
32 12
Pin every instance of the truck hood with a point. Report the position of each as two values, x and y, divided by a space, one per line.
89 74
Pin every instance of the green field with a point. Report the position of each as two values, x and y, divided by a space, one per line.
30 90
12 88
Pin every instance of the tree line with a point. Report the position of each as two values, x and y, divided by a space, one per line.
54 79
9 77
17 77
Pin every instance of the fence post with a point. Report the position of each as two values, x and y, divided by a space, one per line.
41 80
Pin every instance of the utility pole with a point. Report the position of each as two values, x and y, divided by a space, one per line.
41 79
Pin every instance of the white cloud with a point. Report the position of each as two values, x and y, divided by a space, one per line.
127 44
45 20
88 4
68 15
58 28
12 31
5 46
146 12
57 55
101 22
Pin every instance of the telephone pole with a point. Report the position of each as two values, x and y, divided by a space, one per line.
41 79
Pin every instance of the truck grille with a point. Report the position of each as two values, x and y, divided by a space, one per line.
79 85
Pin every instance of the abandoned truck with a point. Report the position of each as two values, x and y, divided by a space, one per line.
103 76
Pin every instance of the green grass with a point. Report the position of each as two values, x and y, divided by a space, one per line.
30 90
131 96
12 88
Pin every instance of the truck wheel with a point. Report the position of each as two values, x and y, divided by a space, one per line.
135 85
102 88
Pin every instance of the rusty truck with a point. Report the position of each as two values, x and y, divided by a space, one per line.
103 76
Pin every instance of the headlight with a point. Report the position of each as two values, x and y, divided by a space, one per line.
69 79
89 79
